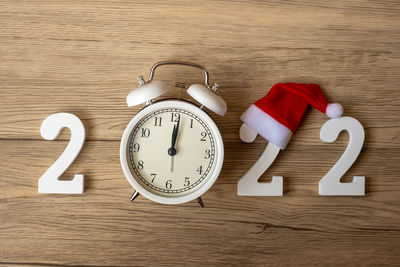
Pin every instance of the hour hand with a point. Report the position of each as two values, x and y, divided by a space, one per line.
172 150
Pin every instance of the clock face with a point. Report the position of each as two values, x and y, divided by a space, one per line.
173 152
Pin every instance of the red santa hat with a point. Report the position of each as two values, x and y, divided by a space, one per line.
278 115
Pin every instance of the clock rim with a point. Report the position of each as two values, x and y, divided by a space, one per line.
219 159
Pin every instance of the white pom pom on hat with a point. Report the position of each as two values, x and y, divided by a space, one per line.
334 110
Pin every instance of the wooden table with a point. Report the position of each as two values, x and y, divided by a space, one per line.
84 58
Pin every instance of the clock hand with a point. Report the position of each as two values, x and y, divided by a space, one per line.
172 150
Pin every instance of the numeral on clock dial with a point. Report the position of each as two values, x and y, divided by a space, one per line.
175 117
203 136
136 147
140 165
168 184
187 182
145 132
157 121
153 175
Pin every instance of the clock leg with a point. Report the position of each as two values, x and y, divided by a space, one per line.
134 195
200 202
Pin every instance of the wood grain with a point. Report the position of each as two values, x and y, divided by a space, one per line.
84 57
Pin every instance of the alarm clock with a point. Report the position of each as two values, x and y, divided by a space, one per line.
171 151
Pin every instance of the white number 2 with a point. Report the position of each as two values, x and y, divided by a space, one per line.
248 185
49 130
330 184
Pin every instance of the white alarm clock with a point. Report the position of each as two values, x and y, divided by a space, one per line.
172 151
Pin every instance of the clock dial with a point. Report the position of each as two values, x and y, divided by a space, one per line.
171 152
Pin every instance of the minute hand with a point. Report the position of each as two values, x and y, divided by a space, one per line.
172 150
